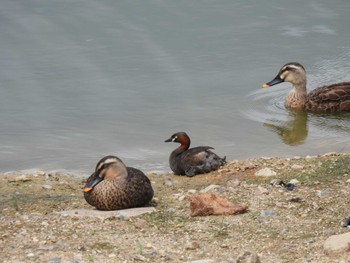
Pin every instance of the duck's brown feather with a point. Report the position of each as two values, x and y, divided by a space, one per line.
332 98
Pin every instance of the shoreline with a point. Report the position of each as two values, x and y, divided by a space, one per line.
280 225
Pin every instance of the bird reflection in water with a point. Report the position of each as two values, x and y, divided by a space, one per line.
294 131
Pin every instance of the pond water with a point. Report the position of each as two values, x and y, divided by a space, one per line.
82 79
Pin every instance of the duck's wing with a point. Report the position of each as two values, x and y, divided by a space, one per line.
332 98
138 189
201 160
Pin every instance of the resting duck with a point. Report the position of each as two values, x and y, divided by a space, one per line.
189 162
331 98
114 186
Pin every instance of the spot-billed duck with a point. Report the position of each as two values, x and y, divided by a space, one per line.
330 98
114 186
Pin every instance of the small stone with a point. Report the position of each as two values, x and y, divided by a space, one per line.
40 173
267 213
47 186
54 260
141 224
30 255
265 172
348 181
248 257
234 182
324 192
192 191
168 182
262 190
337 244
21 178
182 197
294 181
209 188
297 167
192 245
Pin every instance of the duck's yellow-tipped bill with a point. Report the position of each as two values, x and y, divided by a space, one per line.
265 85
87 189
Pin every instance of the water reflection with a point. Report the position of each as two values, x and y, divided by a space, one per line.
294 131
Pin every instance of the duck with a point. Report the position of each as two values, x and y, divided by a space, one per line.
326 99
190 162
113 186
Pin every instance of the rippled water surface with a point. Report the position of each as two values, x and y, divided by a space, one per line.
83 79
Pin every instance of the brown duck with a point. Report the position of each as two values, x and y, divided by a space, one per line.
114 186
331 98
197 160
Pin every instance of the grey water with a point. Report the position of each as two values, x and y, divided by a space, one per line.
80 79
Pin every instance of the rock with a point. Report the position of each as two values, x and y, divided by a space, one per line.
54 260
141 224
324 192
267 213
248 257
121 214
210 204
21 178
262 190
201 261
168 182
192 246
265 172
47 186
192 191
234 182
337 244
294 181
297 167
209 188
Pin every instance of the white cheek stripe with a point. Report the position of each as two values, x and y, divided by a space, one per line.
110 160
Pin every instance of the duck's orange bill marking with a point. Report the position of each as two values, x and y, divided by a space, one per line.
265 85
87 189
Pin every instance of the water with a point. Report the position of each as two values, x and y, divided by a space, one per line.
83 79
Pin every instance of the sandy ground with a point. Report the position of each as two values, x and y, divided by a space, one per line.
280 225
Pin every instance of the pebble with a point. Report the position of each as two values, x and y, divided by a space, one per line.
192 191
324 192
30 255
234 182
168 182
294 181
262 190
265 172
54 260
267 213
248 257
209 188
297 167
337 244
141 224
47 186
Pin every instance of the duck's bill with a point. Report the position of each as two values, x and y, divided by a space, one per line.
169 140
273 82
90 185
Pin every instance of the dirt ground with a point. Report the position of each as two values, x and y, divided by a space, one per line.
281 225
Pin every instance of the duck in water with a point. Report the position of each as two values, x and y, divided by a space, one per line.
189 162
114 186
330 98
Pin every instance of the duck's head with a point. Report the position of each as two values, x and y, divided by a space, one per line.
180 137
108 168
292 72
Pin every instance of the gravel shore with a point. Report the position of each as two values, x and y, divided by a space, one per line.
294 206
